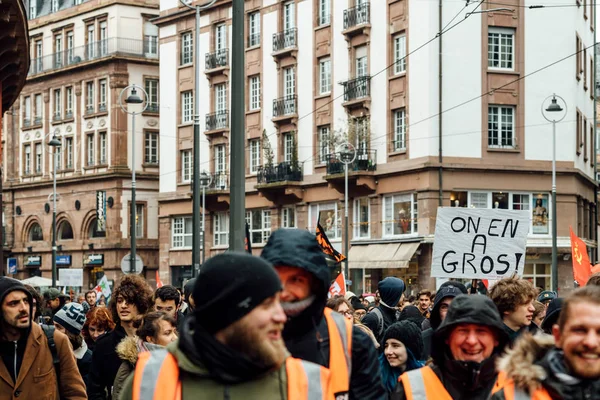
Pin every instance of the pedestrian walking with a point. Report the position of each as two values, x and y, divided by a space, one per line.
168 299
391 292
98 322
425 303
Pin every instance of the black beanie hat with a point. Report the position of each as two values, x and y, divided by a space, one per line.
409 334
229 286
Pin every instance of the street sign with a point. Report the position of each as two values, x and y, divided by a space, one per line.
139 264
12 265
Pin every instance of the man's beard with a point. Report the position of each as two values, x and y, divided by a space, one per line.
295 308
262 351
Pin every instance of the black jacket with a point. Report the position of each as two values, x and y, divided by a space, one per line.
371 320
105 364
306 336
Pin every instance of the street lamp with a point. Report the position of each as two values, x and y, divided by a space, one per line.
347 154
196 144
551 113
133 98
54 143
204 180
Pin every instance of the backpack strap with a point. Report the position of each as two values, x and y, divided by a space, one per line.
49 331
380 325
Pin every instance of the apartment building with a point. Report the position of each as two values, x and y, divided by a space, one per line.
83 54
453 123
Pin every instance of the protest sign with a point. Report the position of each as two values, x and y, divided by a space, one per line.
71 276
479 243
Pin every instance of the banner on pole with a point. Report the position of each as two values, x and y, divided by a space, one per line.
582 269
337 287
479 243
100 211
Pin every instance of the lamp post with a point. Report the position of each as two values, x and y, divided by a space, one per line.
204 182
54 143
550 114
347 154
196 143
133 98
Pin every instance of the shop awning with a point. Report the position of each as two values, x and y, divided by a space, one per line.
389 255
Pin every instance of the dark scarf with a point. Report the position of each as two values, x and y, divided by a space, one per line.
468 379
224 364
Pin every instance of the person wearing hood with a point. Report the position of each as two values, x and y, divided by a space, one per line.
26 360
566 366
464 351
311 331
552 314
391 292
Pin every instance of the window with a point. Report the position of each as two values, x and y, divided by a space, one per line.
221 229
91 40
54 6
65 231
69 102
254 155
58 48
57 104
288 217
399 130
501 48
289 82
327 215
259 222
324 143
361 61
27 111
220 97
94 232
38 158
540 274
150 38
220 159
501 133
139 220
69 152
27 159
103 39
220 37
362 214
288 146
90 149
70 46
58 151
399 54
325 76
187 104
254 92
187 50
254 29
289 21
324 12
37 109
35 233
32 9
186 165
102 102
39 66
151 86
89 98
399 215
151 148
182 232
102 146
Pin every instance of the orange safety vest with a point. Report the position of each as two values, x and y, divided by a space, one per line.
340 352
423 383
514 393
156 377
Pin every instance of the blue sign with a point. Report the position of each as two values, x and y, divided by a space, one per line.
12 265
63 260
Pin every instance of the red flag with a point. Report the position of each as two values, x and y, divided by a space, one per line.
596 268
337 287
581 262
158 281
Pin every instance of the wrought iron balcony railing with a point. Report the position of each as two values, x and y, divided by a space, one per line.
26 122
357 88
358 15
89 52
89 109
285 171
219 181
284 40
284 106
366 160
217 59
217 120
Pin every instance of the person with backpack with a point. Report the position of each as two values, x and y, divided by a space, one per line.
391 292
35 362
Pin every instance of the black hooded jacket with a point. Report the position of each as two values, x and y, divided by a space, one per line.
306 336
105 364
465 380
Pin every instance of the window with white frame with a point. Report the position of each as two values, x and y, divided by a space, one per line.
289 20
325 75
102 99
324 12
103 38
91 40
59 155
220 97
361 61
289 81
399 214
327 215
288 217
181 228
501 126
540 274
221 229
186 165
362 218
254 29
89 97
139 220
187 49
102 146
399 53
254 92
69 153
70 46
58 48
220 37
254 155
54 6
501 48
69 102
37 99
324 138
151 148
288 146
220 159
38 158
39 61
259 222
57 104
187 105
400 129
27 159
32 9
152 90
90 149
27 110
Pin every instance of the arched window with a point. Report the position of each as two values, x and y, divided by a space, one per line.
93 233
35 233
65 231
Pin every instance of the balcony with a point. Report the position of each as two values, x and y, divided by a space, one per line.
37 120
281 182
357 19
360 171
357 91
217 60
102 107
91 52
26 122
56 117
89 109
285 42
217 122
69 114
285 108
217 193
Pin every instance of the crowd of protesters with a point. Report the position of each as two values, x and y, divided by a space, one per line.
265 328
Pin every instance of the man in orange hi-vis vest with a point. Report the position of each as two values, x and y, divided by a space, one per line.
565 365
231 345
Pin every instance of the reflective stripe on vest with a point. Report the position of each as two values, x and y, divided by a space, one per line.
340 351
306 380
152 368
513 393
423 383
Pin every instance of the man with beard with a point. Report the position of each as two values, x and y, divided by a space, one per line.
231 345
567 367
314 333
90 298
27 367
